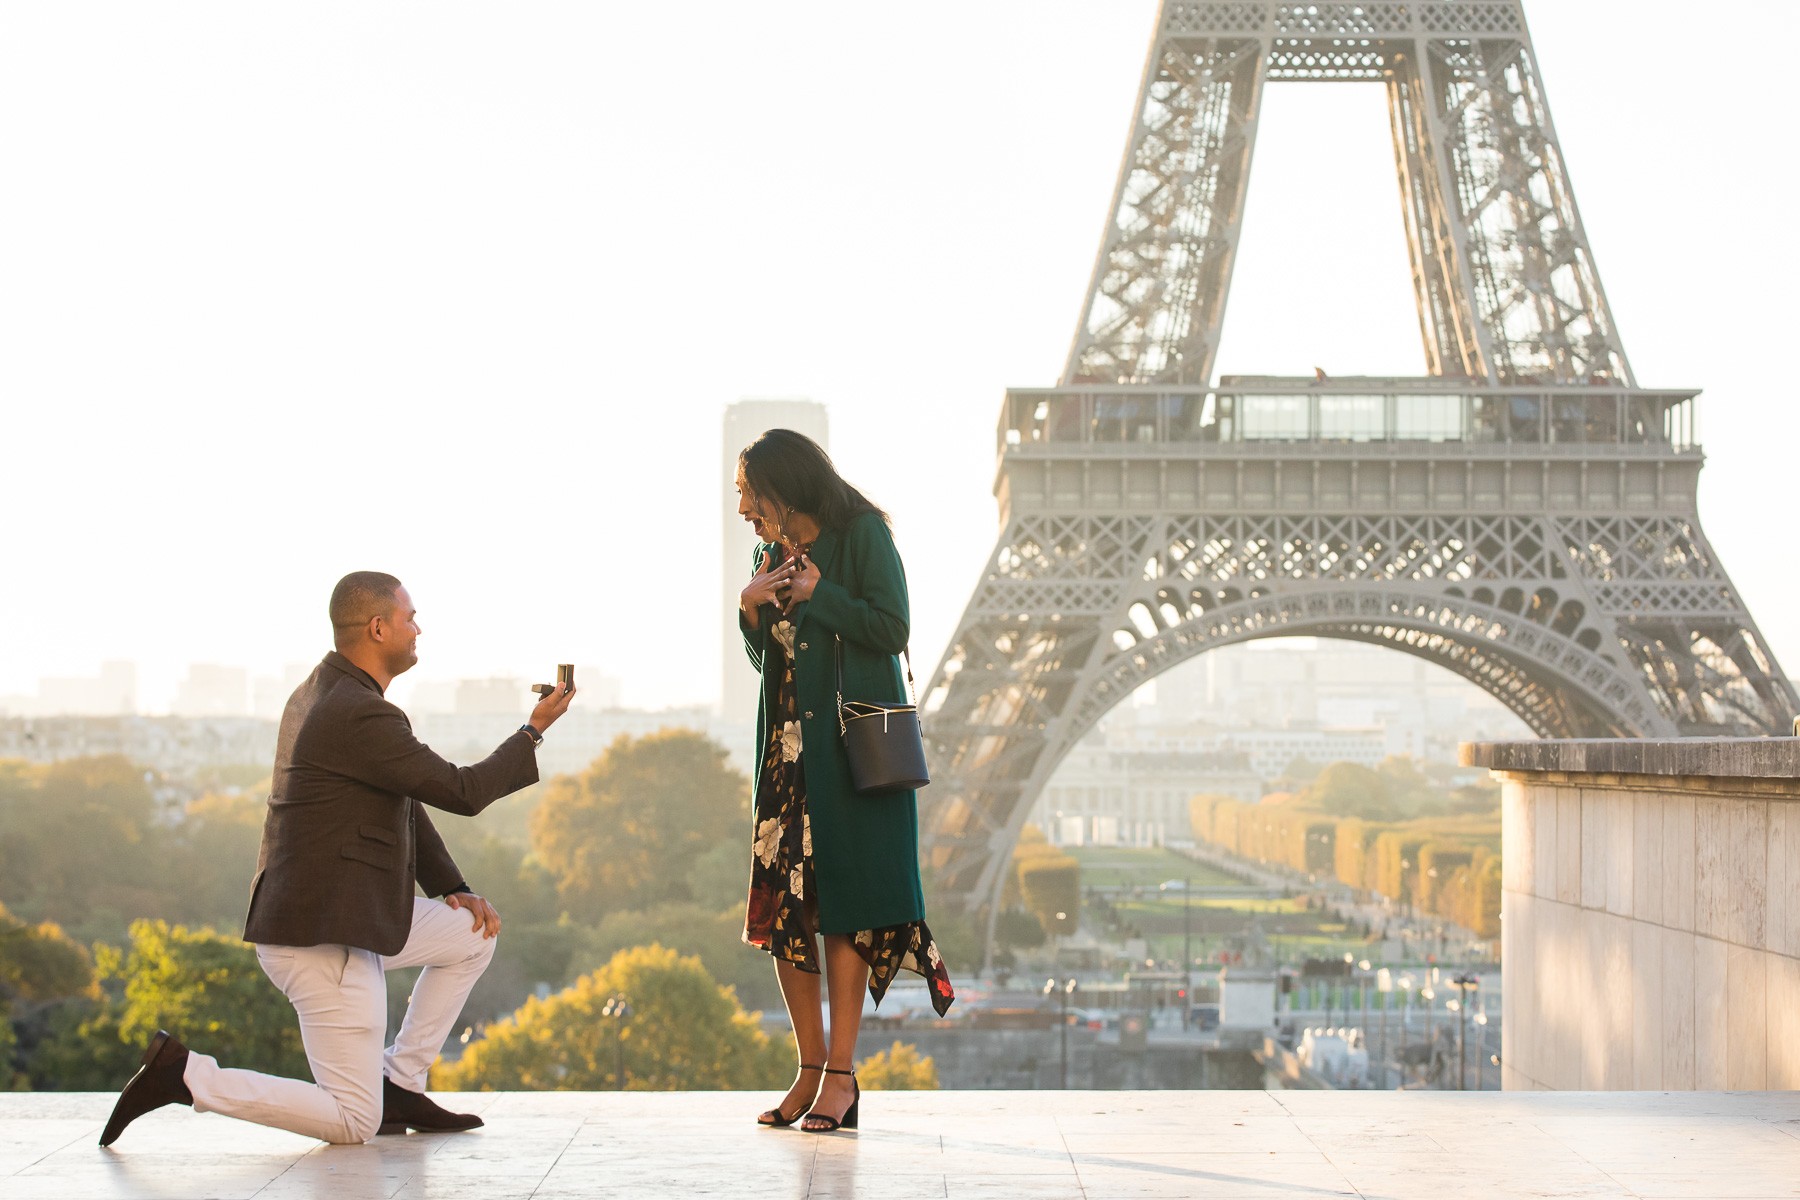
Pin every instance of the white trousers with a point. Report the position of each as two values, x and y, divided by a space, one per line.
340 993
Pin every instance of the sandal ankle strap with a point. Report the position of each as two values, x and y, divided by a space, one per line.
835 1071
812 1067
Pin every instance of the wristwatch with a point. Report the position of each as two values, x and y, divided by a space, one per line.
537 739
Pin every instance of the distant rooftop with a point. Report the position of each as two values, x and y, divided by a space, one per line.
1041 1145
1352 409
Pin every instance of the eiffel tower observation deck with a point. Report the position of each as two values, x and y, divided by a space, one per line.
1524 515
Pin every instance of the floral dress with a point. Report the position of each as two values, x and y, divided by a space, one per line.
783 914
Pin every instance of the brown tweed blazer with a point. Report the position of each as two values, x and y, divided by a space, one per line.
347 834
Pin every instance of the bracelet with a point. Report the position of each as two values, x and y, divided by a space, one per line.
537 739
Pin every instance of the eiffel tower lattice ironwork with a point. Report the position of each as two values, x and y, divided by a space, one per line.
1524 515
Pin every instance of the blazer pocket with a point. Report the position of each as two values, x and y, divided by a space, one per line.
378 834
369 854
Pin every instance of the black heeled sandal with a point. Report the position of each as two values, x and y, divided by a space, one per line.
848 1120
776 1119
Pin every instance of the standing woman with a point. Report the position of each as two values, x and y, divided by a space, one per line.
826 860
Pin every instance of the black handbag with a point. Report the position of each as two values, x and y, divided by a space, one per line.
881 739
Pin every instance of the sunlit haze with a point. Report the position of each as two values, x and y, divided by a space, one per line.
461 292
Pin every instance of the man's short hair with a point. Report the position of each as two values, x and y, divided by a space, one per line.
358 597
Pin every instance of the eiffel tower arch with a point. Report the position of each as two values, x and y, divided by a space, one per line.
1524 515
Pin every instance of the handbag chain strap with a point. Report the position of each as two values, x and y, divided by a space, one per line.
837 652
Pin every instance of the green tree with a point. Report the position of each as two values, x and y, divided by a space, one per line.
1050 886
75 1047
204 987
536 944
1017 928
214 851
624 833
40 968
684 1032
715 938
209 991
1349 790
899 1068
80 844
41 963
720 878
1301 770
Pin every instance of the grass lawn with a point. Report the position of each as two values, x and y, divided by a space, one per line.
1107 866
1215 922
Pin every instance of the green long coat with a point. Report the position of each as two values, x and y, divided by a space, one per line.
865 848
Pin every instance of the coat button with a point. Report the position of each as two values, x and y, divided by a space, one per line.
809 714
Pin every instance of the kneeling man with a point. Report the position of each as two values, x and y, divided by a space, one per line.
333 907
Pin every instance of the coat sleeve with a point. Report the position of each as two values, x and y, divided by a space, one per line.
753 638
872 611
384 753
437 872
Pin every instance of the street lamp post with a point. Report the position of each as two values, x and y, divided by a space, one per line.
1062 994
1187 950
1463 983
1406 987
618 1010
1428 994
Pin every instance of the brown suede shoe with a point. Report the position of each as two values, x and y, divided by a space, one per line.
157 1082
402 1110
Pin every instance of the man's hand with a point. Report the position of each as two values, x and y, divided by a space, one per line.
552 706
476 907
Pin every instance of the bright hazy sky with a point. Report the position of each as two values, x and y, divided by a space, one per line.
460 291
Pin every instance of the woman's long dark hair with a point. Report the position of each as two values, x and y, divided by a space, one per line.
795 472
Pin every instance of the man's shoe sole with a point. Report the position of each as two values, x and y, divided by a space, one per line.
109 1135
389 1127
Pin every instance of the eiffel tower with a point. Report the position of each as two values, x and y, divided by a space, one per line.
1523 515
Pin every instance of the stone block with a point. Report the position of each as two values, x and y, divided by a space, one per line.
1678 1010
1621 848
1648 884
1646 1006
1710 1017
1517 836
1712 867
1566 981
1595 850
1568 846
1781 997
1678 861
1614 1001
1521 1007
1760 758
1748 886
1589 1005
1778 908
1544 812
1746 1019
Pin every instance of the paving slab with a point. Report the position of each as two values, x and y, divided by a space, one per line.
954 1145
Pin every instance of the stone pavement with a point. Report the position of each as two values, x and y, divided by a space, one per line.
1037 1145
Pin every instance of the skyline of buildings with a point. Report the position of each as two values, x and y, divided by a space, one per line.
1305 688
1233 721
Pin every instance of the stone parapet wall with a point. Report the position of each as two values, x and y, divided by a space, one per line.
1650 913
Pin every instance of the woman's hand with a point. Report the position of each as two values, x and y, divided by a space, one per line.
802 582
766 586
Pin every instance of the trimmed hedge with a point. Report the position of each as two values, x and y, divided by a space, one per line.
1445 865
